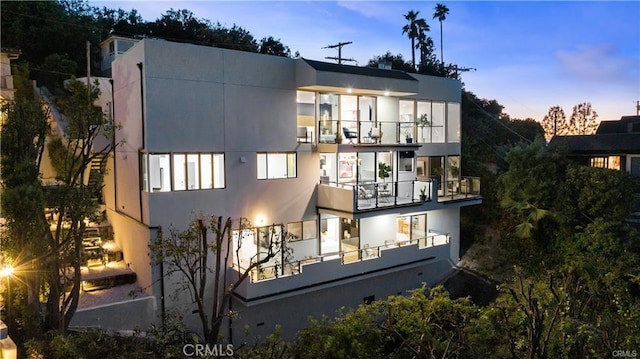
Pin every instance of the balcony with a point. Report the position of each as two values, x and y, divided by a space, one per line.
367 133
368 196
302 273
461 189
362 197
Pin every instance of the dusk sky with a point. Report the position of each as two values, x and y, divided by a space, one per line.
529 56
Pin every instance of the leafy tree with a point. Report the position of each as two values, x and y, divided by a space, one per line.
530 313
51 251
413 30
165 341
484 129
528 193
426 324
43 28
236 38
397 62
583 120
271 46
187 254
598 193
428 63
23 198
441 12
555 123
119 22
73 199
527 130
179 25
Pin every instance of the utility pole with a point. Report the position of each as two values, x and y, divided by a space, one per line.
339 46
637 108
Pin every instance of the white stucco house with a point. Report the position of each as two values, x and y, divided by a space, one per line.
332 152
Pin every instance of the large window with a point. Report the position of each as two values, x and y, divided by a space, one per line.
305 102
411 227
165 172
453 122
600 162
430 122
437 122
276 165
159 174
610 162
302 230
328 113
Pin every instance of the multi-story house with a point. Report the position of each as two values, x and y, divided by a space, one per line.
615 145
334 153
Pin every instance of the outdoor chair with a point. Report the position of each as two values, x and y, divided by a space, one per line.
350 135
375 134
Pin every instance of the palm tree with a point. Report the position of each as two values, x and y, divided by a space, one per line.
425 44
413 29
441 14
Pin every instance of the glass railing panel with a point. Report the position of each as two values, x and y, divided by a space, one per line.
327 131
274 271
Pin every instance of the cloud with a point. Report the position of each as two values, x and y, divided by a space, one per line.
368 9
603 63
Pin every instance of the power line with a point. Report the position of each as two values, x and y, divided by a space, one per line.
339 47
498 121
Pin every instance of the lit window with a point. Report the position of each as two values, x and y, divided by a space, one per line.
614 162
424 121
159 173
453 122
600 162
179 172
302 230
437 122
193 173
276 165
218 171
187 172
206 171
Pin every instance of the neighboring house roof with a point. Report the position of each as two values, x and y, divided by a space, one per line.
358 70
612 137
608 143
626 124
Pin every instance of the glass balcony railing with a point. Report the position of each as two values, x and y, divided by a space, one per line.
378 132
371 195
296 266
464 187
370 132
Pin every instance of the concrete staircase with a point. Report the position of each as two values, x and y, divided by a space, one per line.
103 261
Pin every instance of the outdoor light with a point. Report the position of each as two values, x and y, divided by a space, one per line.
349 90
260 220
6 271
386 93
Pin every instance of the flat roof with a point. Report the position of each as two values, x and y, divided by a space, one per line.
359 70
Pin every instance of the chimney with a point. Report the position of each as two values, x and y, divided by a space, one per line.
384 65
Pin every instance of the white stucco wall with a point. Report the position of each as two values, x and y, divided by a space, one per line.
209 100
